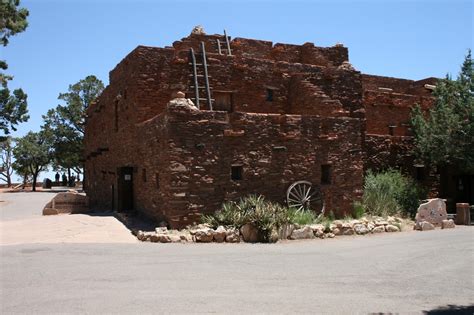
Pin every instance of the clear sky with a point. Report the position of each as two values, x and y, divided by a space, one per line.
69 39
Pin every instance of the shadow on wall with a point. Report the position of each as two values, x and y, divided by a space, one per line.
452 309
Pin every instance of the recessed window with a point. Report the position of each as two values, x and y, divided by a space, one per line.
144 174
325 174
391 130
223 101
236 172
420 173
270 95
157 180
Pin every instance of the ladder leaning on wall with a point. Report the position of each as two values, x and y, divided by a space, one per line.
200 71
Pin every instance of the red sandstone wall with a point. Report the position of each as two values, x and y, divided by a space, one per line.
204 145
384 108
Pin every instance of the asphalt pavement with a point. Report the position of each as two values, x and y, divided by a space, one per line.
407 272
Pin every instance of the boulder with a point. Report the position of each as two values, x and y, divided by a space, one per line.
348 231
154 238
249 233
174 238
232 236
391 228
330 235
185 236
433 211
161 230
274 236
337 223
448 224
370 226
204 235
336 231
360 229
304 233
424 226
346 225
380 222
320 233
378 229
144 236
285 231
317 228
219 234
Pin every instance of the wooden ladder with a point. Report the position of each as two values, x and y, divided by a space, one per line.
227 43
197 76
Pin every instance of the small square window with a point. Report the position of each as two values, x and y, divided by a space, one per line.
325 174
420 173
391 130
269 95
236 172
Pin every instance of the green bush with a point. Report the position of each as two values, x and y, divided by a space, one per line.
301 217
265 215
390 192
359 210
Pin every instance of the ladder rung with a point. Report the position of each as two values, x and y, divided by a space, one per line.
201 87
199 75
201 99
198 64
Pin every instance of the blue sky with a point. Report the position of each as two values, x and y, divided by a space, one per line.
70 39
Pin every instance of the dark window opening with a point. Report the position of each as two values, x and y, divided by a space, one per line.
269 95
420 173
223 101
157 180
326 174
144 174
391 130
236 172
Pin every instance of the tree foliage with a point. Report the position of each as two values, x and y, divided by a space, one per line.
13 109
6 163
13 106
444 136
12 19
66 122
32 154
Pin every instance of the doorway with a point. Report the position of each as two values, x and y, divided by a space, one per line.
125 189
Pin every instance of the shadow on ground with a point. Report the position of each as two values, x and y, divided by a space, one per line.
452 309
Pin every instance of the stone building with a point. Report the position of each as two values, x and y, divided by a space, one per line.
255 117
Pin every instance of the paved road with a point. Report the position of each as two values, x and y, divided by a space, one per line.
22 222
400 272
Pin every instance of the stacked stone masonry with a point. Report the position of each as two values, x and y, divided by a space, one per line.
280 112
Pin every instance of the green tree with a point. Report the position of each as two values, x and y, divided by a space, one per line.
32 154
66 123
444 136
6 164
12 19
13 106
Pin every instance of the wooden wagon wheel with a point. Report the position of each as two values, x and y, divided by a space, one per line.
302 195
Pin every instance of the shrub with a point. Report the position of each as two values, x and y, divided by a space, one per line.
390 192
301 217
265 215
359 210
